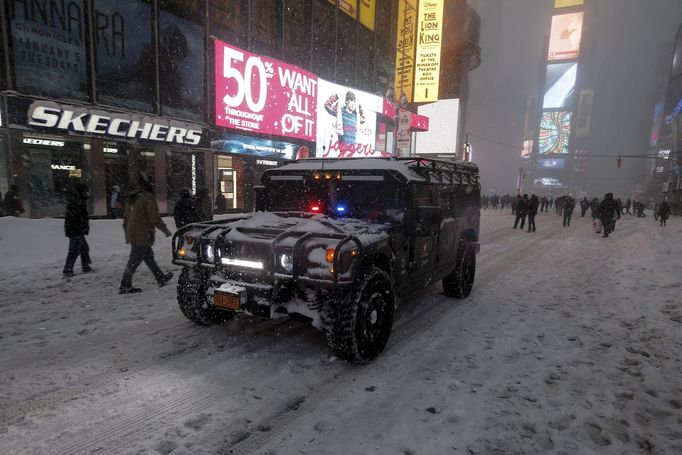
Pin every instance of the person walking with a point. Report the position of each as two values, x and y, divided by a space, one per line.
140 219
76 227
628 204
13 205
533 205
609 212
204 205
664 212
521 210
584 205
185 211
221 202
567 206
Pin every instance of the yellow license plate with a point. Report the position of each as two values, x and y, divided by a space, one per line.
228 301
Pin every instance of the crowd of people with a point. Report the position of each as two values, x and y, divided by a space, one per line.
604 212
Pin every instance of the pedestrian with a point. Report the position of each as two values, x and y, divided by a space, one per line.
204 205
628 204
584 205
76 227
609 212
221 202
13 205
568 204
3 212
116 202
533 205
185 211
664 212
140 218
521 210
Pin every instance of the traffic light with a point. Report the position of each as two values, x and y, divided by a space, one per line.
619 162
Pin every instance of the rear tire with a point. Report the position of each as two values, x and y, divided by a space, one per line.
193 303
460 282
359 322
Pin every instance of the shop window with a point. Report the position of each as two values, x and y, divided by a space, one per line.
124 54
183 170
54 166
296 36
115 170
266 28
182 59
324 44
227 21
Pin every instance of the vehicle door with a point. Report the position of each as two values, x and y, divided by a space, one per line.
447 238
424 230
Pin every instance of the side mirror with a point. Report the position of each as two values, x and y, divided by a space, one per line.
261 198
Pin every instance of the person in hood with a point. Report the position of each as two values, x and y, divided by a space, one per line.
185 211
204 205
76 227
140 219
608 212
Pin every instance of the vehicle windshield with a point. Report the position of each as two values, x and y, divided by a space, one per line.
372 198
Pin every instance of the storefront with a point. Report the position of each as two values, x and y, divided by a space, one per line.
53 145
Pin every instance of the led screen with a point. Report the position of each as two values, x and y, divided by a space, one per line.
547 182
555 128
527 149
441 137
564 37
559 85
546 163
249 145
677 57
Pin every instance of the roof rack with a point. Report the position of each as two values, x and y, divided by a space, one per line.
440 171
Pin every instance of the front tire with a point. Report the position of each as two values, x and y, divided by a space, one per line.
360 322
192 300
460 282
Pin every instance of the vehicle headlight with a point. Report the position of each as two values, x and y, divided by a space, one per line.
286 262
209 252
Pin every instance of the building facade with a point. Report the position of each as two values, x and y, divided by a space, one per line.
101 91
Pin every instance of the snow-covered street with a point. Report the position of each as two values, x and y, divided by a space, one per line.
569 344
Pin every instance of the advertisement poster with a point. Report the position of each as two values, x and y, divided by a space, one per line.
527 150
555 129
264 95
367 13
405 45
564 37
441 137
560 85
249 145
582 126
427 60
546 163
346 122
124 59
181 53
567 3
349 7
404 134
49 55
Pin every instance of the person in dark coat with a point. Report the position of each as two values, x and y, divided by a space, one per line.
664 212
568 204
594 209
140 219
76 227
584 205
221 202
628 204
521 210
185 209
13 205
204 205
533 205
609 212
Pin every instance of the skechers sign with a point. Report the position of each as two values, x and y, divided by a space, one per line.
48 114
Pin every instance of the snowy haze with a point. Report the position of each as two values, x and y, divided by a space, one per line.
620 59
568 344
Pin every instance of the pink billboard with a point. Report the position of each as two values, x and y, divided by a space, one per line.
263 95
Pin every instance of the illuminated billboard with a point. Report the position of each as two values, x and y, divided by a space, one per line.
547 182
427 60
362 10
564 37
263 95
567 3
559 85
405 45
548 163
527 150
349 7
346 122
555 128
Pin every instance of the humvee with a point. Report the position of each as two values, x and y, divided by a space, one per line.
337 242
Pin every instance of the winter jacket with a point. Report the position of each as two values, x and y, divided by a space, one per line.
204 205
608 208
140 217
185 212
664 210
594 208
13 204
533 205
76 222
569 205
